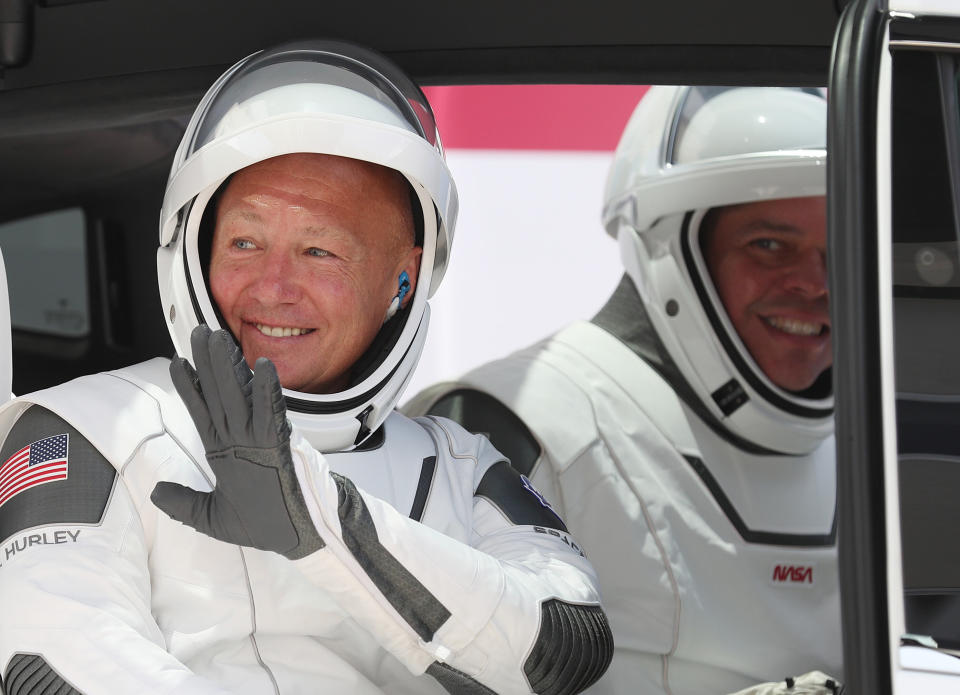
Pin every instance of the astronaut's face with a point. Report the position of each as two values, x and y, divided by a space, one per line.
306 255
768 263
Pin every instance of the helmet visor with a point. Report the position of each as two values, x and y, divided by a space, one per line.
715 122
304 81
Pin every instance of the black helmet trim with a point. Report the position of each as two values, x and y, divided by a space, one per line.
762 389
335 99
298 404
637 333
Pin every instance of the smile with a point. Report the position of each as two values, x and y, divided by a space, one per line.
281 331
795 326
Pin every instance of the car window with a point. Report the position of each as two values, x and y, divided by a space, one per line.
926 302
530 163
47 273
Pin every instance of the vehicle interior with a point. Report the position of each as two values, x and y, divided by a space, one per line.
925 293
95 94
90 118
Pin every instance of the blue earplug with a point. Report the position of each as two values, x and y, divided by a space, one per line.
404 283
403 287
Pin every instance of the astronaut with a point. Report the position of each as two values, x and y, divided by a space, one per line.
685 433
192 527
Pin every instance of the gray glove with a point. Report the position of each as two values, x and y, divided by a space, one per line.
241 418
810 683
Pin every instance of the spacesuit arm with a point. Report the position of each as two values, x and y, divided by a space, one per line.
74 584
515 611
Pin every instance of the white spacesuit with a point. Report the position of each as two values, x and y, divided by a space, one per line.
418 549
703 493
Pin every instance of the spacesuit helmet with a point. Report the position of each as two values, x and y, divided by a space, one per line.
327 97
684 152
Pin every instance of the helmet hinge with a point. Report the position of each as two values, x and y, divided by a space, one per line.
730 396
364 430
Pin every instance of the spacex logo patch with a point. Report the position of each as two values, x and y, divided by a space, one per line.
793 575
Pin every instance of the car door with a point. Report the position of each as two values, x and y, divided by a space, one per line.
6 347
894 216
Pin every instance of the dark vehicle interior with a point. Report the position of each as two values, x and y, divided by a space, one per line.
925 311
94 96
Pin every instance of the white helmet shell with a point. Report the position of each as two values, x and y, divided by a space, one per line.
325 97
684 151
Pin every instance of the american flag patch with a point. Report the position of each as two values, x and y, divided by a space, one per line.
35 464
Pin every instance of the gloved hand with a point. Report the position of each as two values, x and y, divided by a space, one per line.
241 418
811 683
